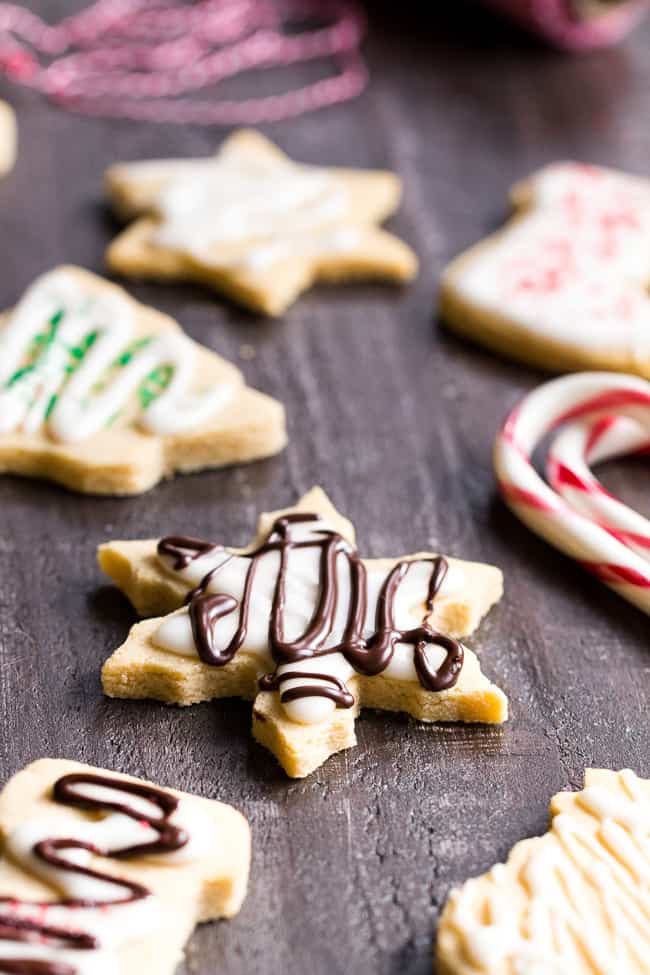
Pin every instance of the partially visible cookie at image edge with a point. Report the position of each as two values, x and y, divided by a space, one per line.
564 285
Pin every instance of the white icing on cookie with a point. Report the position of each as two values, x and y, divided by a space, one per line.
302 590
581 904
70 364
239 210
575 266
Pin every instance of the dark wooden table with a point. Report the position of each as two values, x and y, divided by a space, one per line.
396 419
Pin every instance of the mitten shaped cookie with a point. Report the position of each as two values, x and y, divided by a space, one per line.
108 396
305 627
103 874
565 284
254 225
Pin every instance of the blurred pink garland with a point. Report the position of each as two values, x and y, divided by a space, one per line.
137 58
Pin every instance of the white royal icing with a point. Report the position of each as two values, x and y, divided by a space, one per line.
585 906
575 267
70 363
239 210
112 926
302 590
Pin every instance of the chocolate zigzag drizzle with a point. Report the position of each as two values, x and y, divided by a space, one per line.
367 655
27 931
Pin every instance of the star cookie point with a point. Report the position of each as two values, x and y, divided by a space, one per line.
253 224
302 625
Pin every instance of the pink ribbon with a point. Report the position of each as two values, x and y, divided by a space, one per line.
138 58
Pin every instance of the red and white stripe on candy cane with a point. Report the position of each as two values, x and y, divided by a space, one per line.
137 58
602 415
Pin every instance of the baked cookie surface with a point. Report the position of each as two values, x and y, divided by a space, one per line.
103 874
572 901
8 138
565 284
254 225
108 396
299 623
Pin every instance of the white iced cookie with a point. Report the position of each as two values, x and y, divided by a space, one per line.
253 224
300 623
108 396
8 138
102 874
575 901
565 284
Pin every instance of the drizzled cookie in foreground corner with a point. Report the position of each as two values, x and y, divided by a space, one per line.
575 901
254 225
103 874
107 396
305 627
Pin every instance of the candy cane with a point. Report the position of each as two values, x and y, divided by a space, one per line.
134 58
607 415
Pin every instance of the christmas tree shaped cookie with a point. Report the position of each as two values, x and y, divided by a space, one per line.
255 225
108 396
305 627
575 901
103 874
8 138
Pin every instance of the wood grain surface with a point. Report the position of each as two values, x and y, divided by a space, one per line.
396 419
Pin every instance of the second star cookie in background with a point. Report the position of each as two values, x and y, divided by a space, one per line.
255 225
565 284
302 625
107 396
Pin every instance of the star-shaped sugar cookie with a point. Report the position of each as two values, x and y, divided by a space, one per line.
255 225
8 138
564 285
101 873
107 396
575 901
304 627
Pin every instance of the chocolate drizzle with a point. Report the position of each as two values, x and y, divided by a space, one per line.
369 655
66 791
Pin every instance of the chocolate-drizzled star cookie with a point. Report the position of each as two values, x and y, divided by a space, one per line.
102 874
255 225
305 627
564 285
108 396
8 138
575 901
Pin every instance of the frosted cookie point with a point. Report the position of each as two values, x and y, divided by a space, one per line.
103 874
255 225
564 285
303 625
106 395
574 900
